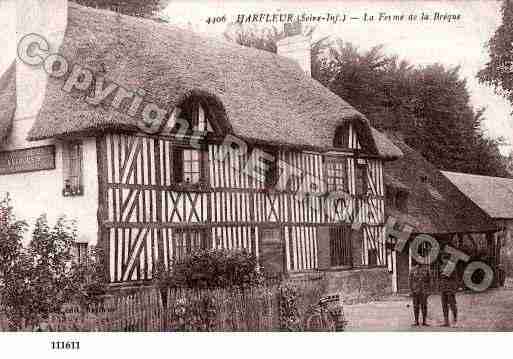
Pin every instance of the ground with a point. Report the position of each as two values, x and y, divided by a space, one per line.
488 311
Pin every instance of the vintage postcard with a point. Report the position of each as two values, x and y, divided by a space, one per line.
232 166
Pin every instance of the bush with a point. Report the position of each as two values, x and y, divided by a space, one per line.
212 268
38 280
289 313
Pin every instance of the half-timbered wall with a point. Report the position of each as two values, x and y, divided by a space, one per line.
144 209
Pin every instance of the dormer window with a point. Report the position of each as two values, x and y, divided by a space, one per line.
195 113
342 136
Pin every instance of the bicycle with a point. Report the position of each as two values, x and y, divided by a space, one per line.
325 316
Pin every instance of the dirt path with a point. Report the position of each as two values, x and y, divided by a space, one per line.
489 311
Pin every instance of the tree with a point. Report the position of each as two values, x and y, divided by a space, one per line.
39 280
430 106
146 8
498 72
254 36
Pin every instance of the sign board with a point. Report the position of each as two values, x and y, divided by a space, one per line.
26 160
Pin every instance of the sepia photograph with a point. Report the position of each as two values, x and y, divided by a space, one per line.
255 166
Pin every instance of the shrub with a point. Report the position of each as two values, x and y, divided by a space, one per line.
37 281
288 311
212 268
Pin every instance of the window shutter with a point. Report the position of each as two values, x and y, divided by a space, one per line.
177 165
323 248
195 115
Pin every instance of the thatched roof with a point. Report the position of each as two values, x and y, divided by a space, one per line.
262 96
434 204
494 195
7 101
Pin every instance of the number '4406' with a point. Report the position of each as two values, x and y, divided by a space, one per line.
216 19
65 345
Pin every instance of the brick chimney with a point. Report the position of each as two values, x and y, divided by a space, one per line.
296 46
47 18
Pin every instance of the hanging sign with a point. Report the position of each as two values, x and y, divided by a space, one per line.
26 160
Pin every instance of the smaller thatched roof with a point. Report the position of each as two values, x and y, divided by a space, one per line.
494 195
7 101
434 204
260 96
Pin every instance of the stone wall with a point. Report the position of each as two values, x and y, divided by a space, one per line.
356 285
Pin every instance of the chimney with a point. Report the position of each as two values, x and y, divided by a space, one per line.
47 18
296 46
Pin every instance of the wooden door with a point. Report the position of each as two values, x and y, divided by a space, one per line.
340 246
271 250
403 271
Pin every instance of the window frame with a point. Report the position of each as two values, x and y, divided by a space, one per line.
341 139
178 165
271 176
196 109
69 149
331 184
401 200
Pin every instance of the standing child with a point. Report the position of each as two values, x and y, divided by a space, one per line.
448 288
420 281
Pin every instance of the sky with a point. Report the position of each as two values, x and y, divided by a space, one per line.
455 43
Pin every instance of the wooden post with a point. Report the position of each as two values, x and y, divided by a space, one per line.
103 234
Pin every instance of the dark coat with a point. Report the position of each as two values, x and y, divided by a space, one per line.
448 284
420 280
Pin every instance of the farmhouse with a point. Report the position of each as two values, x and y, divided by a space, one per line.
494 195
420 196
156 197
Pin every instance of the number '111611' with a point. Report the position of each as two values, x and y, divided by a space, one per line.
65 345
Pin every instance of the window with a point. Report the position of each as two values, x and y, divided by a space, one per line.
390 196
342 136
402 200
196 115
340 246
336 175
271 173
72 169
361 179
373 257
264 165
189 165
397 198
188 240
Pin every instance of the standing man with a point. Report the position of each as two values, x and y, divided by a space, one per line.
420 281
448 288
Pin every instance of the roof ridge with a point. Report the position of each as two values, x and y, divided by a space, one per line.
173 27
477 175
